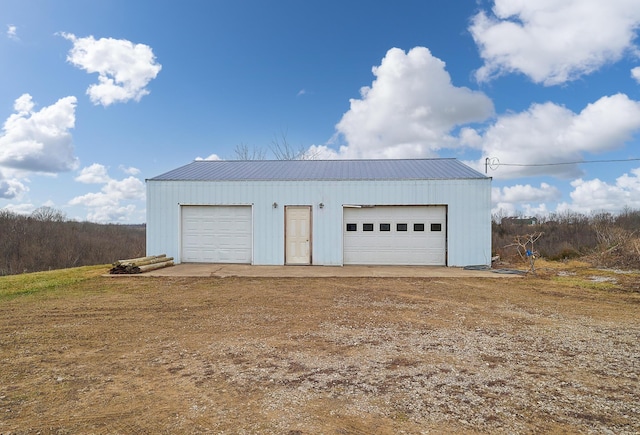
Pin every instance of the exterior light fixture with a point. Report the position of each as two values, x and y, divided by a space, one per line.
275 205
321 205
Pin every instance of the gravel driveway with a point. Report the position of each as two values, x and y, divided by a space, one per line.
251 355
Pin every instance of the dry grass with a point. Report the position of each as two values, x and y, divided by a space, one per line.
551 353
29 283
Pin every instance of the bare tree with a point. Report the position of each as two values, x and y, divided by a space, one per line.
283 150
244 152
279 147
525 246
609 235
48 214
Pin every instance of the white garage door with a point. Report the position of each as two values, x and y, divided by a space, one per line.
216 234
398 235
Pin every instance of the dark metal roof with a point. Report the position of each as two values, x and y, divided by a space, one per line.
327 170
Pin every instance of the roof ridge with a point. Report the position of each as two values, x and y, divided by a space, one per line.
318 170
322 160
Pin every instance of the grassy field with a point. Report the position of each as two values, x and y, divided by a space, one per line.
554 353
46 282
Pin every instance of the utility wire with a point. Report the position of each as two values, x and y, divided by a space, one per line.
493 163
566 163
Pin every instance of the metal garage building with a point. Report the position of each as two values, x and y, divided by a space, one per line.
321 212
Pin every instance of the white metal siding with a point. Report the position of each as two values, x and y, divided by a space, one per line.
468 208
419 244
216 234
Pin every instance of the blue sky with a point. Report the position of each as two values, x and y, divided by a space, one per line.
96 97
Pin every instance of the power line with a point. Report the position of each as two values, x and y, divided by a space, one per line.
493 163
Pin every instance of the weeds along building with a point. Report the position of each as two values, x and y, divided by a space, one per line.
318 212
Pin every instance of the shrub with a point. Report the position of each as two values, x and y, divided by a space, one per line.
604 239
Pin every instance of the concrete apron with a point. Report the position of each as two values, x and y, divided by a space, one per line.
245 270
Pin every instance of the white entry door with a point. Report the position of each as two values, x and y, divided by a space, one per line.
297 234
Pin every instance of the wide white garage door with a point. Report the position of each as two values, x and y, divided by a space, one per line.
216 234
395 235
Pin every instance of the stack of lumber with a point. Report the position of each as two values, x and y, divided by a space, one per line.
142 264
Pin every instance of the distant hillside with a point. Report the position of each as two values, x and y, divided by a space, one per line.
45 240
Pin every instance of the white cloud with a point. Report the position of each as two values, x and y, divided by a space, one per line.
470 138
12 32
525 193
596 195
321 152
95 173
11 189
523 199
107 205
548 133
129 188
553 41
635 73
211 157
24 104
112 214
39 141
129 170
20 208
124 68
112 193
587 196
409 110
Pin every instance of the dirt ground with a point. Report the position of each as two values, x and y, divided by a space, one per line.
245 355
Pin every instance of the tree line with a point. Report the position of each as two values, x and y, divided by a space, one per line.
603 239
47 240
